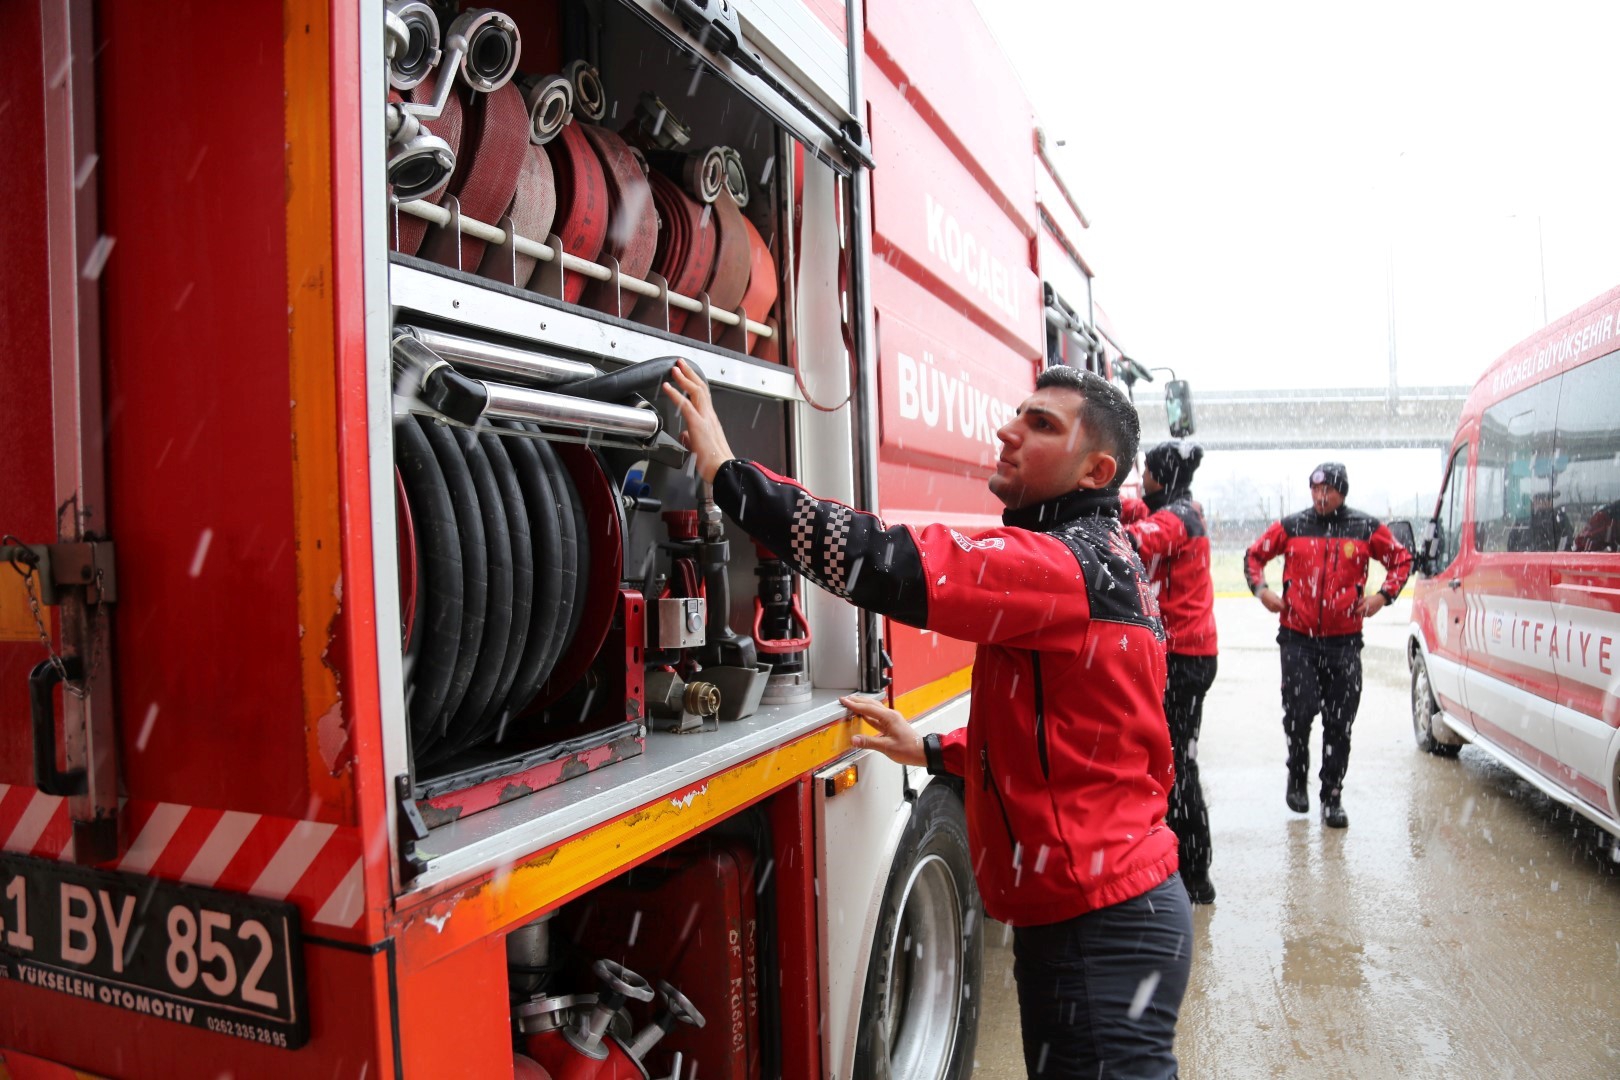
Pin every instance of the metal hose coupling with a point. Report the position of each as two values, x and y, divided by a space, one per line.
550 99
481 46
705 174
590 96
413 42
736 178
486 46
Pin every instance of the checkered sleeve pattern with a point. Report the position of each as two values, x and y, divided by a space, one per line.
847 552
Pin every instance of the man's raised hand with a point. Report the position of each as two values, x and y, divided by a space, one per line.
703 436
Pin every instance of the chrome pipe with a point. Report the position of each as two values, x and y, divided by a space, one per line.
504 359
572 414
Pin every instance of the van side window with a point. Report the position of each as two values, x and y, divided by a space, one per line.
1449 518
1586 493
1517 463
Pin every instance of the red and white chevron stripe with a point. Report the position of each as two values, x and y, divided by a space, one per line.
313 863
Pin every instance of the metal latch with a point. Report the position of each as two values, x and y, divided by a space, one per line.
86 565
713 22
412 829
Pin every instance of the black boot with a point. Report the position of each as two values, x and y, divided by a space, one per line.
1333 815
1298 801
1200 890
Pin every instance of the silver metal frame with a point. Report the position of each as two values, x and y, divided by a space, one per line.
573 334
468 848
75 250
380 416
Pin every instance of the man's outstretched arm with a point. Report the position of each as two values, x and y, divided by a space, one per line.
846 551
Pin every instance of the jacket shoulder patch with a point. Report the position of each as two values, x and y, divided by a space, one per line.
988 543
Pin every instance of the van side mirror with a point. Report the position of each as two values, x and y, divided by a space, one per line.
1423 555
1178 408
1402 531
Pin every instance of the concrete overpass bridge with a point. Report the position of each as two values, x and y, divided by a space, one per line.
1352 419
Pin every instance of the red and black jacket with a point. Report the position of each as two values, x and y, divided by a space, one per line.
1066 754
1167 530
1325 567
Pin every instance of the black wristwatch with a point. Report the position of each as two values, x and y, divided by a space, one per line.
934 755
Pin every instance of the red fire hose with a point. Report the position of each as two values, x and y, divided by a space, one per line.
487 172
686 243
582 201
632 235
533 208
762 284
447 127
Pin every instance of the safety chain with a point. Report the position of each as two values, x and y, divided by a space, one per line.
26 563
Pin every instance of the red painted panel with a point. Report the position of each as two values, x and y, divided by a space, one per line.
200 455
933 219
797 947
943 398
921 657
941 53
26 484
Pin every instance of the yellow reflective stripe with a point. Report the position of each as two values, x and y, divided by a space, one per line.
913 703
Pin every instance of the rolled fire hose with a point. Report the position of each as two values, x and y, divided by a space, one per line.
582 202
447 127
523 581
488 167
533 209
632 233
486 672
474 564
762 283
732 260
686 243
437 625
555 569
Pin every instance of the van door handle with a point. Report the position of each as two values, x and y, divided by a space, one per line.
1455 583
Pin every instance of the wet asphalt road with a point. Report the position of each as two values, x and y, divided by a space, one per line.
1463 926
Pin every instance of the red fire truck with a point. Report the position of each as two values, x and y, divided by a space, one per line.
381 694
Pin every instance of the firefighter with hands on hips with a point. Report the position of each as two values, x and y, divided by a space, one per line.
1325 552
1167 529
1066 757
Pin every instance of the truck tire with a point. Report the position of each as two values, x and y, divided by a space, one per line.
920 1007
1426 715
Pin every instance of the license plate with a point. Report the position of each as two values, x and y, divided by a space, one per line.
214 960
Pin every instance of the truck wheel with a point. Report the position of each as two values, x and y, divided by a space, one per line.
920 1008
1425 714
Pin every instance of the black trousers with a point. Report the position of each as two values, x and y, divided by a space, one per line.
1098 996
1320 675
1190 679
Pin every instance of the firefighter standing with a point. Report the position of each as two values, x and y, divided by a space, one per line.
1169 534
1325 551
1066 755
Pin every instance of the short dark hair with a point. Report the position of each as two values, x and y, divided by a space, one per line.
1105 412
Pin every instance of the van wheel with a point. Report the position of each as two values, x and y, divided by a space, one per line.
1426 716
920 1008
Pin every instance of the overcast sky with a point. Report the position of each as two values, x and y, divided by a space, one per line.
1251 170
1257 173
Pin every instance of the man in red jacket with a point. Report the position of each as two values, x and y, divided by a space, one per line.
1167 530
1066 757
1325 551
